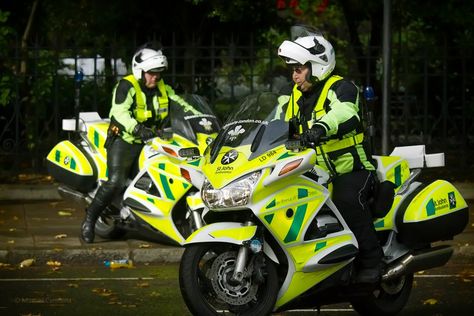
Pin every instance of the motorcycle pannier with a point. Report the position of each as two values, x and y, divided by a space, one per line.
68 164
437 212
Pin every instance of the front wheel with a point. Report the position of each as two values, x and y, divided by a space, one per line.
388 299
205 281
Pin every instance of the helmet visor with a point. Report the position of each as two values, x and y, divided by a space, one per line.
303 30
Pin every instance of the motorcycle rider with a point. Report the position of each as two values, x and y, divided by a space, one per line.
327 105
139 106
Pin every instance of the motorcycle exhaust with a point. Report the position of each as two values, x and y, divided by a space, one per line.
418 261
70 194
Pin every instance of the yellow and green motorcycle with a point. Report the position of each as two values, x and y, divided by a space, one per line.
275 241
158 203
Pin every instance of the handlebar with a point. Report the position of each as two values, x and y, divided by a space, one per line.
300 144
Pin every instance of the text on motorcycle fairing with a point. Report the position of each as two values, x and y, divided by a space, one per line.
189 117
246 121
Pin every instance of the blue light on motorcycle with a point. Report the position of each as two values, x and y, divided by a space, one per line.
369 93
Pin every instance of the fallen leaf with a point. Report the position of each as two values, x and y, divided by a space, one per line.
430 301
11 242
143 284
466 280
144 246
12 229
27 263
60 236
421 272
73 285
52 263
4 265
102 292
64 213
15 218
155 294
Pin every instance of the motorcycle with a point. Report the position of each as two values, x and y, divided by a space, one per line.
275 241
158 203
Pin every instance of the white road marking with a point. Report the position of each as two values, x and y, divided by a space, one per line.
427 276
322 310
75 279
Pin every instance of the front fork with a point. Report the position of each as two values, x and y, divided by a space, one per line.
195 207
242 256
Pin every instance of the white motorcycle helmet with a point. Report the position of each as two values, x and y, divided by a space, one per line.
312 48
147 59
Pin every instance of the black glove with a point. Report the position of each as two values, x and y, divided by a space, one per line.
314 134
143 132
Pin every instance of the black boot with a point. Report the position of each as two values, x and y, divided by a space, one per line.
88 225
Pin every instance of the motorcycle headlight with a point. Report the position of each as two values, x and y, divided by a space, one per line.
234 194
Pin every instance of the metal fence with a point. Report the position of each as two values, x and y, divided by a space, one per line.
431 99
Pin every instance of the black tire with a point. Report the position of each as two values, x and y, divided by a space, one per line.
106 228
201 297
388 299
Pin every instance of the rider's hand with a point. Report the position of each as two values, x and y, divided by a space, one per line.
143 132
314 134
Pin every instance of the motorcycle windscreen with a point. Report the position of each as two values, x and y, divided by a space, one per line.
191 115
255 122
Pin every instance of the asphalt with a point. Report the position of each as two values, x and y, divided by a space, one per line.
35 223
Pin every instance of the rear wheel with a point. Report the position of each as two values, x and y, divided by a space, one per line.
206 285
388 299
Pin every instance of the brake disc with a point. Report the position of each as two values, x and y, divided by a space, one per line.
235 294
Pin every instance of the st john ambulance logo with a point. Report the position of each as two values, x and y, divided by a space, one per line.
452 200
236 132
229 157
206 124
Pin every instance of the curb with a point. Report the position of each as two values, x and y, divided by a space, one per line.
462 254
91 256
23 192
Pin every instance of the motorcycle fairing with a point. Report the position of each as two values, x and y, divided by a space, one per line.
392 168
194 201
226 232
288 211
159 203
97 135
276 159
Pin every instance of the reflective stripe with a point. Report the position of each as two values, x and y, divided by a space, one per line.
140 113
336 144
293 107
319 108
